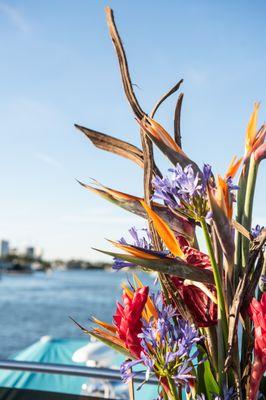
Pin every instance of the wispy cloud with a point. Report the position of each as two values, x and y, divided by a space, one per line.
15 16
49 160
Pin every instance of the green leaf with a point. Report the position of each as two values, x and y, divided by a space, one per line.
206 382
176 267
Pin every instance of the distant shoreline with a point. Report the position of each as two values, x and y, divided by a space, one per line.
22 265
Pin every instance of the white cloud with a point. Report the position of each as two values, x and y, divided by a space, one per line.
15 16
48 160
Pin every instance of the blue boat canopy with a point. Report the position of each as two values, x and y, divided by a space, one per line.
57 351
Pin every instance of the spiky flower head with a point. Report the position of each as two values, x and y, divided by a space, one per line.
168 347
256 231
139 238
184 190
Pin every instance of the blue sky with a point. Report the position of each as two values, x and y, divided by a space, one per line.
58 68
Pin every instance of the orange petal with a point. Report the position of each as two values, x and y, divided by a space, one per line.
116 193
126 289
135 252
149 306
105 325
251 128
160 133
233 167
260 137
111 338
222 197
165 233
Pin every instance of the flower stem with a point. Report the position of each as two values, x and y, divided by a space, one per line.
217 278
247 222
211 337
248 205
241 193
173 389
165 397
222 319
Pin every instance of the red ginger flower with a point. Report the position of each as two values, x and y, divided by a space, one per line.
202 308
127 319
257 311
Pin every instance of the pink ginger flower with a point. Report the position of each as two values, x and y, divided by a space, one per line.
257 312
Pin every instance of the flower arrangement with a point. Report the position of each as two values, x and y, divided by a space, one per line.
202 333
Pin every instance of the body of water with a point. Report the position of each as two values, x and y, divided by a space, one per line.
40 304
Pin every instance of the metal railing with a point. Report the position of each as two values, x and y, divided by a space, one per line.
74 370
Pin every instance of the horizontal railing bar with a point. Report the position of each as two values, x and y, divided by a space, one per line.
75 370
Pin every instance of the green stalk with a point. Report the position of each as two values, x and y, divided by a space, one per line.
217 279
221 354
165 397
241 193
173 389
247 222
211 338
222 320
248 206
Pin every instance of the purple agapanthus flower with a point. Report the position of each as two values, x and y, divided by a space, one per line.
166 190
231 185
126 367
187 182
183 373
184 188
119 264
143 241
206 174
126 370
168 345
255 232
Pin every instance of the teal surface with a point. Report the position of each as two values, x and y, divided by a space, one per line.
57 351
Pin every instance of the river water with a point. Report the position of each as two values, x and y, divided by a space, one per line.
40 304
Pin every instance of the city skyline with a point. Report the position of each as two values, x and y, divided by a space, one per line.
7 249
59 68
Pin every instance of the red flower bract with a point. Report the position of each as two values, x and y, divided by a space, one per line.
127 319
257 311
202 308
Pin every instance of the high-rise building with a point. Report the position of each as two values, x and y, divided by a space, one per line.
4 248
30 252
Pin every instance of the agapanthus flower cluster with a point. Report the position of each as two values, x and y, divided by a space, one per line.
143 241
184 190
168 347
